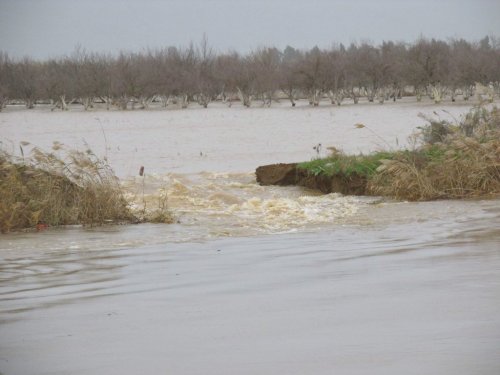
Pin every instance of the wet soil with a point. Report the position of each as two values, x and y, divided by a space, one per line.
290 174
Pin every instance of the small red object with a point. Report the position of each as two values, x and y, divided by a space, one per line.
41 226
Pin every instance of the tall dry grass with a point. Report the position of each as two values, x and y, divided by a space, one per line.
454 160
60 187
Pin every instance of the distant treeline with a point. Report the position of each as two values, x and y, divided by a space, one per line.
199 74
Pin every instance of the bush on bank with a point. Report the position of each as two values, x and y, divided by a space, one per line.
453 160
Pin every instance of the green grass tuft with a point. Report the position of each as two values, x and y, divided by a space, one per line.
347 165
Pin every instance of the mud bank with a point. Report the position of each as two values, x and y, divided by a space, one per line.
289 174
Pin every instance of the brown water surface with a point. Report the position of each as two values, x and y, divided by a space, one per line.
252 280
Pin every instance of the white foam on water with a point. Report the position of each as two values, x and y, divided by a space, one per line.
230 204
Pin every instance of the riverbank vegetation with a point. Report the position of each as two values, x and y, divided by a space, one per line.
448 160
63 187
177 76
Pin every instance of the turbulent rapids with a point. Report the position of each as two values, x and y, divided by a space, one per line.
229 204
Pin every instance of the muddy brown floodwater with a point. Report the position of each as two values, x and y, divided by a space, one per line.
252 280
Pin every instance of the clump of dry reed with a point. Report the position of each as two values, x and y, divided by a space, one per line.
454 160
60 187
154 210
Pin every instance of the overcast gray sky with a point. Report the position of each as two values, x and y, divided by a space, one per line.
48 28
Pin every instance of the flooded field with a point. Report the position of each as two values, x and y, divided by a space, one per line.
220 139
251 279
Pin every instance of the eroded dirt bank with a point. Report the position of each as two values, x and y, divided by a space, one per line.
289 174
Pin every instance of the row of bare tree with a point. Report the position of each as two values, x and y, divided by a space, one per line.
197 73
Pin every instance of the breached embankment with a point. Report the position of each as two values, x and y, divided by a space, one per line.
290 174
233 204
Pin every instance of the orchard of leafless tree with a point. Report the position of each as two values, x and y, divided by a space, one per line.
432 68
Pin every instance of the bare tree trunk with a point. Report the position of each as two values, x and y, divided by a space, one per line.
245 98
64 105
387 94
290 94
453 94
370 94
3 97
331 96
30 103
184 100
228 99
268 98
467 92
419 93
108 101
315 97
122 102
88 102
354 94
204 100
339 96
60 103
437 93
145 101
392 92
3 102
381 95
163 100
398 92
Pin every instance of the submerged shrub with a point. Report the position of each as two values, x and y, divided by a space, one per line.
479 122
436 131
58 188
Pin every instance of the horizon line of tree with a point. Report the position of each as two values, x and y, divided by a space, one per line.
199 74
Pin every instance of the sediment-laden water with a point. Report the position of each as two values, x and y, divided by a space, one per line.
250 279
231 204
